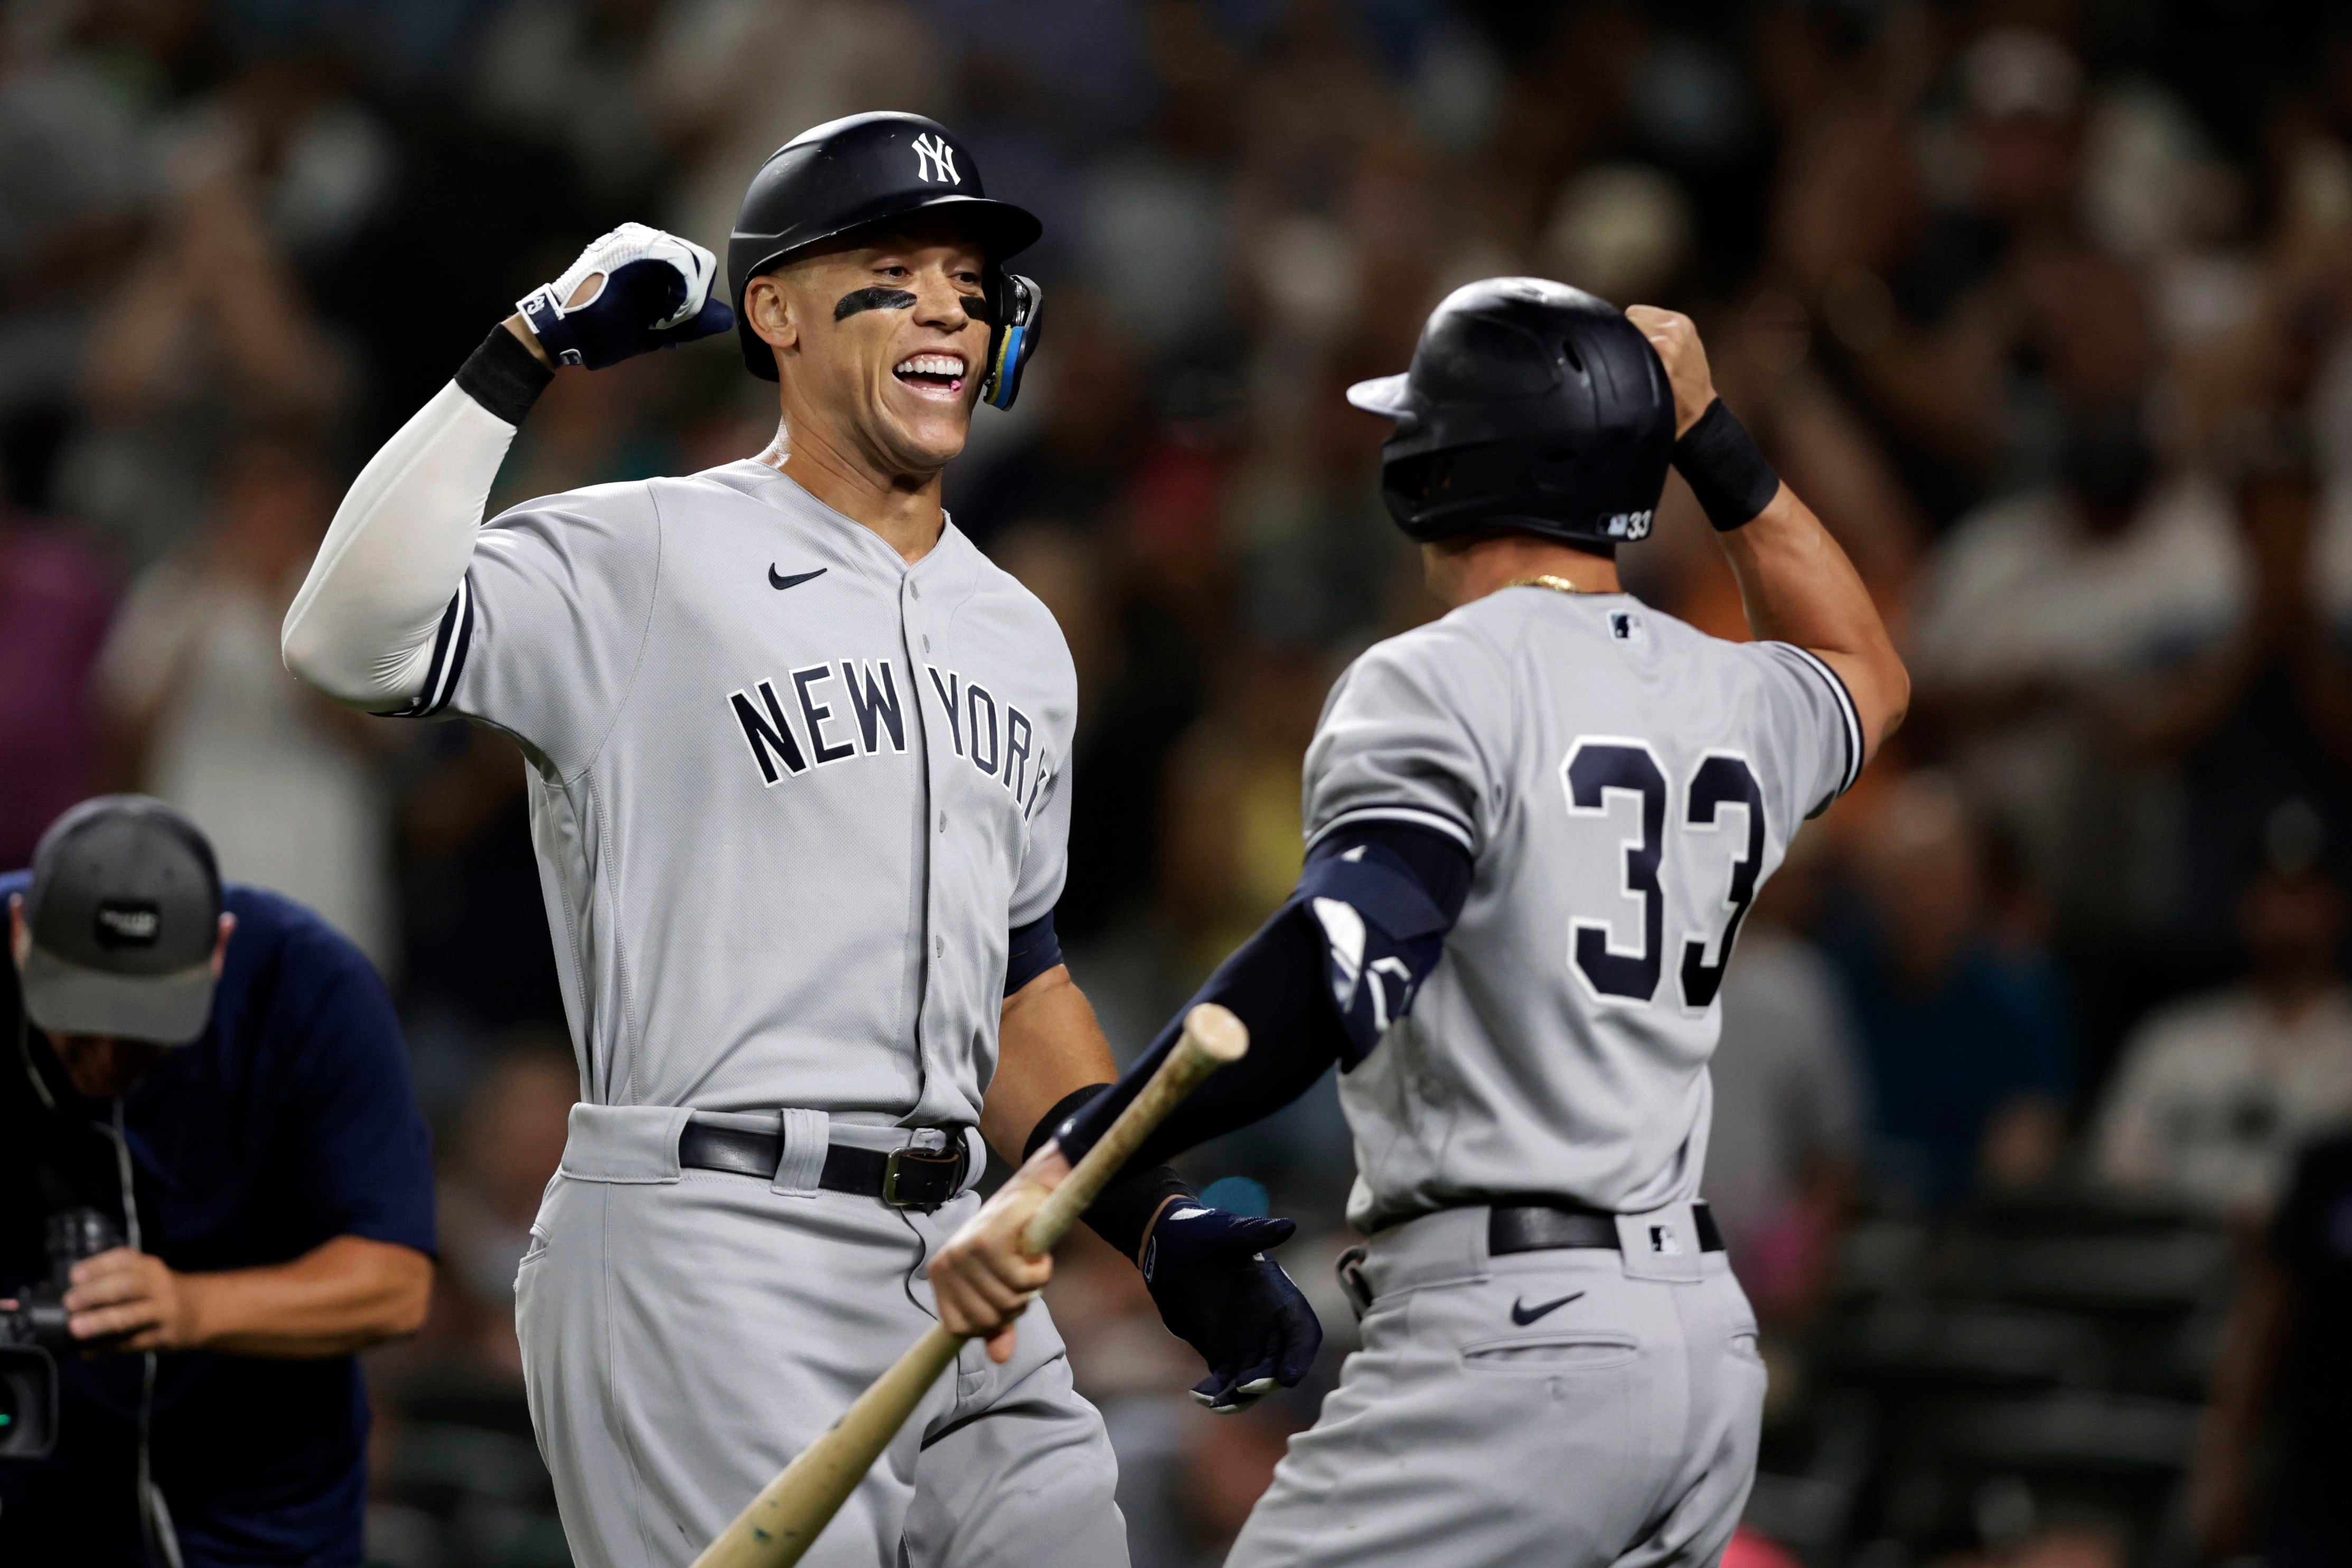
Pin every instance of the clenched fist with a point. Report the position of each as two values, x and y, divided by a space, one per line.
634 289
1671 333
985 1278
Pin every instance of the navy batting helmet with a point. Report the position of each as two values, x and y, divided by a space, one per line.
845 174
1530 406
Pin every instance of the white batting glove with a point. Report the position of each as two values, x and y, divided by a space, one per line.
653 292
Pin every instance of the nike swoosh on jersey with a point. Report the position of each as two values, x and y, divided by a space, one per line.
777 581
1523 1314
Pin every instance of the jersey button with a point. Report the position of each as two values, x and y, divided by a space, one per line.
943 821
914 590
926 642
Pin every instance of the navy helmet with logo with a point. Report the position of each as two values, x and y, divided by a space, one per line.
864 168
1530 407
123 916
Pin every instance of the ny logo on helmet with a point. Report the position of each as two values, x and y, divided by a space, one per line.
935 161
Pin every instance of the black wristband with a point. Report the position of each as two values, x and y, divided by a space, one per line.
503 375
1124 1212
1719 460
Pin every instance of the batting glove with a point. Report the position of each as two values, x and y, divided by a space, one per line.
656 294
1217 1290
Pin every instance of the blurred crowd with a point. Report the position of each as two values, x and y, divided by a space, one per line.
2045 307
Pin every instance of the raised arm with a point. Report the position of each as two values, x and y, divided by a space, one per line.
366 626
1795 584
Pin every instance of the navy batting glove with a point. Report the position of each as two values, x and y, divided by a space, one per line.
654 294
1217 1290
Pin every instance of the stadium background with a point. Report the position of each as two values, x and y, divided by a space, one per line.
2046 307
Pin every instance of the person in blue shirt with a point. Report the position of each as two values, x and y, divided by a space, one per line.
1968 1039
220 1076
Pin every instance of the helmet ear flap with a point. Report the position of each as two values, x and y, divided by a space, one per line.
1015 308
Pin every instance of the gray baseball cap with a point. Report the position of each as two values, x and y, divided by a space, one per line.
124 909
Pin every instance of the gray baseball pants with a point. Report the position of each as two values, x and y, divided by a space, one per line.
685 1333
1576 1408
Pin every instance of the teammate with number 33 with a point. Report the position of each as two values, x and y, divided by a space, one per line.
1534 829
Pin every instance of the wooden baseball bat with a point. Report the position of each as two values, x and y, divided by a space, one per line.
784 1520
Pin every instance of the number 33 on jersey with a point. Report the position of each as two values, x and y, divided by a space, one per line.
1721 789
1624 784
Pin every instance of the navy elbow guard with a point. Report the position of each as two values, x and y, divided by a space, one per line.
1382 935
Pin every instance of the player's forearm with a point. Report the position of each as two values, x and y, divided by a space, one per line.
342 1296
1406 885
363 627
1290 1055
1049 1046
1271 983
1797 586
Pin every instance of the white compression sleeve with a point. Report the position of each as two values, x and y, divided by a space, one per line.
362 628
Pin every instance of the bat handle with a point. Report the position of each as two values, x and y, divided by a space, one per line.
1212 1038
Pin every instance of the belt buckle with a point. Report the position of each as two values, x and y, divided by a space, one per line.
891 1166
894 1165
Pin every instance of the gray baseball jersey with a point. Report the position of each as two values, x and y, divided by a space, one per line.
788 792
1623 784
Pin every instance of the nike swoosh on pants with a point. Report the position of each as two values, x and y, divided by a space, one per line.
1523 1314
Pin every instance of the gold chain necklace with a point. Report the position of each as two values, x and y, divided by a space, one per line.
1557 584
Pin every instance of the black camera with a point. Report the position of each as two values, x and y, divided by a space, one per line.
33 1324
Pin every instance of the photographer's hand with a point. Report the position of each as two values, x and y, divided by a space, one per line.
343 1295
132 1302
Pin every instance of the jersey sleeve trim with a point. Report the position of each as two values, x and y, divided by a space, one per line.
1029 951
1851 716
449 644
1420 817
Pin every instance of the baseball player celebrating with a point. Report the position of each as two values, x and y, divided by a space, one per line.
798 788
1534 828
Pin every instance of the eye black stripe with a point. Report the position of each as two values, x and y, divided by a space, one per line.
874 298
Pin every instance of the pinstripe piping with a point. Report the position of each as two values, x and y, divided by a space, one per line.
1846 711
1418 816
449 644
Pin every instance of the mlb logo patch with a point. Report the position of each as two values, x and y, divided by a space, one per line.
1664 1242
1626 627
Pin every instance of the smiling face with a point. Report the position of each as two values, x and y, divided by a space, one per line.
880 341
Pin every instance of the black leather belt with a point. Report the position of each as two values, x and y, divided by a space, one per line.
1539 1227
904 1179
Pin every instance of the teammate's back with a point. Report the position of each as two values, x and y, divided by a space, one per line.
1624 782
1534 828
